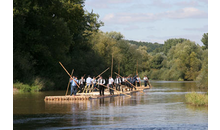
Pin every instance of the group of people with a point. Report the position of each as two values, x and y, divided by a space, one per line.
100 83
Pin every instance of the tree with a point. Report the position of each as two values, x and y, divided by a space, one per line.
205 41
168 44
115 35
46 32
156 61
203 75
185 60
194 67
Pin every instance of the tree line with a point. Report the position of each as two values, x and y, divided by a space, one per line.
46 32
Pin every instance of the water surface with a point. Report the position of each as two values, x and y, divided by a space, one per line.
162 107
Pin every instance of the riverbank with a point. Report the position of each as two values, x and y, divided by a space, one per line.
197 99
21 87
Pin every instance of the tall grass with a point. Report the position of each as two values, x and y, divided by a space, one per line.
36 86
197 99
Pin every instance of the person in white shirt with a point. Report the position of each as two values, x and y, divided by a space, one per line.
138 81
117 83
88 80
110 83
101 82
145 81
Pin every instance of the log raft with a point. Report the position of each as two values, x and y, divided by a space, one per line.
91 95
65 98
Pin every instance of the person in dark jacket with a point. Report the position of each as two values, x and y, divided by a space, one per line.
101 82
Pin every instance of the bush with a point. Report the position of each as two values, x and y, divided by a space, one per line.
22 87
197 99
35 87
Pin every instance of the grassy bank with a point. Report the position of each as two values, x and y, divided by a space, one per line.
197 99
35 87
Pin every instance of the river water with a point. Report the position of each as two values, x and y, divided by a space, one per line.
161 107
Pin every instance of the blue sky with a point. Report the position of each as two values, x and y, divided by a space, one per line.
153 20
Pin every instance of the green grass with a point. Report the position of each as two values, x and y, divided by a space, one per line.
197 99
35 87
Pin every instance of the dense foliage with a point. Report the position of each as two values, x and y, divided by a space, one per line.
46 32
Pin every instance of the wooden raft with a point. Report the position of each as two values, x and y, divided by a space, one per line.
65 98
91 95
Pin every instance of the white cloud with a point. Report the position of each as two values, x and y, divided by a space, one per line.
187 3
160 4
105 4
189 12
109 17
118 1
125 18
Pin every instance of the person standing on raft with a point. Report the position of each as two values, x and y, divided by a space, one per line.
73 85
101 82
94 83
81 83
110 83
138 81
117 83
89 81
145 81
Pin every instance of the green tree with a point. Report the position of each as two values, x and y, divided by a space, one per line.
168 44
156 61
46 32
115 35
185 60
203 75
205 41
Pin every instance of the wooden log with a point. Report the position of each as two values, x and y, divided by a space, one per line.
125 80
117 91
69 74
102 72
69 82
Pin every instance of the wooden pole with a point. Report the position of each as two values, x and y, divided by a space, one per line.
69 82
65 69
125 80
149 83
117 90
112 65
68 74
102 72
119 67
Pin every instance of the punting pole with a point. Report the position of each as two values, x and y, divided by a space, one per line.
125 80
69 83
116 90
68 74
102 72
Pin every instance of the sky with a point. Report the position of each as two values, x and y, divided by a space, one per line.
153 20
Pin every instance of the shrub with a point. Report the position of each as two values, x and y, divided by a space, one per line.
197 99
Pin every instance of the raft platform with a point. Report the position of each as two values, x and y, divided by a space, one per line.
93 95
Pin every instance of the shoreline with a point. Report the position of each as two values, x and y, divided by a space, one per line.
15 90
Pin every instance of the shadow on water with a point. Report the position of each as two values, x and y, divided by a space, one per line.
162 107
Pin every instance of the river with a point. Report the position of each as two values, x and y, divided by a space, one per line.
161 107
